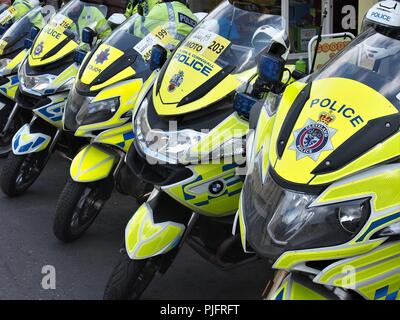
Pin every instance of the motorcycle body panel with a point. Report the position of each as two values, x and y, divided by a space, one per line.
51 44
145 239
196 192
24 142
121 137
127 92
93 163
342 116
9 88
53 111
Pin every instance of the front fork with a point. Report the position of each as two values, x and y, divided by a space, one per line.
274 284
10 120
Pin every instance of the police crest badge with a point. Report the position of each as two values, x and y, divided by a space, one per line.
39 49
314 138
176 81
103 56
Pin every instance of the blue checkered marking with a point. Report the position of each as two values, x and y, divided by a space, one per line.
384 293
377 224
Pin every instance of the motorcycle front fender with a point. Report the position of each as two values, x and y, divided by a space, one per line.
93 163
24 142
144 238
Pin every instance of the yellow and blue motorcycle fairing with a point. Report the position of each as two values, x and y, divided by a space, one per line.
145 239
10 83
93 163
25 142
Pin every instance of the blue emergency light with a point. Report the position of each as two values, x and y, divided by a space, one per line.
243 103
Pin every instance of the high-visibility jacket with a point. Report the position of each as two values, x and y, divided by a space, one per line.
147 5
23 6
92 17
179 17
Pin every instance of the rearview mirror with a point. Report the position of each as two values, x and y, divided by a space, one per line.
158 57
88 35
116 20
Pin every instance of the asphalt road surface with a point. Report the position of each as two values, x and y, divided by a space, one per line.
27 245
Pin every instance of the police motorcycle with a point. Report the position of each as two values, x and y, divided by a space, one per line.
12 13
99 108
12 53
189 142
322 200
46 76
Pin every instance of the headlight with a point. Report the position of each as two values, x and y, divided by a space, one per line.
234 149
41 84
35 84
98 111
164 147
279 220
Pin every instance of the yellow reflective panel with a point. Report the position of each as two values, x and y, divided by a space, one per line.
121 137
374 183
363 265
186 72
92 164
127 92
124 74
145 239
195 191
49 39
300 292
383 152
334 106
103 58
291 258
231 127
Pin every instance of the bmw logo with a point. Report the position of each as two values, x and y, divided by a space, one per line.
216 187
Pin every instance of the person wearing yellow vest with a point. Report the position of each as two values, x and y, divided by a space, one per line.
180 18
141 7
89 16
24 6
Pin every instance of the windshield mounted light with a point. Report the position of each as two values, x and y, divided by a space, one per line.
243 103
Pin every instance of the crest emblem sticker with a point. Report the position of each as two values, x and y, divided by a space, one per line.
314 138
103 56
39 49
176 81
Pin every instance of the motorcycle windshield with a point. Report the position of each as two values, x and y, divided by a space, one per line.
13 39
126 52
371 60
227 41
62 34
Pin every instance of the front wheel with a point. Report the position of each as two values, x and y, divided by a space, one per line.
20 172
130 278
77 208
